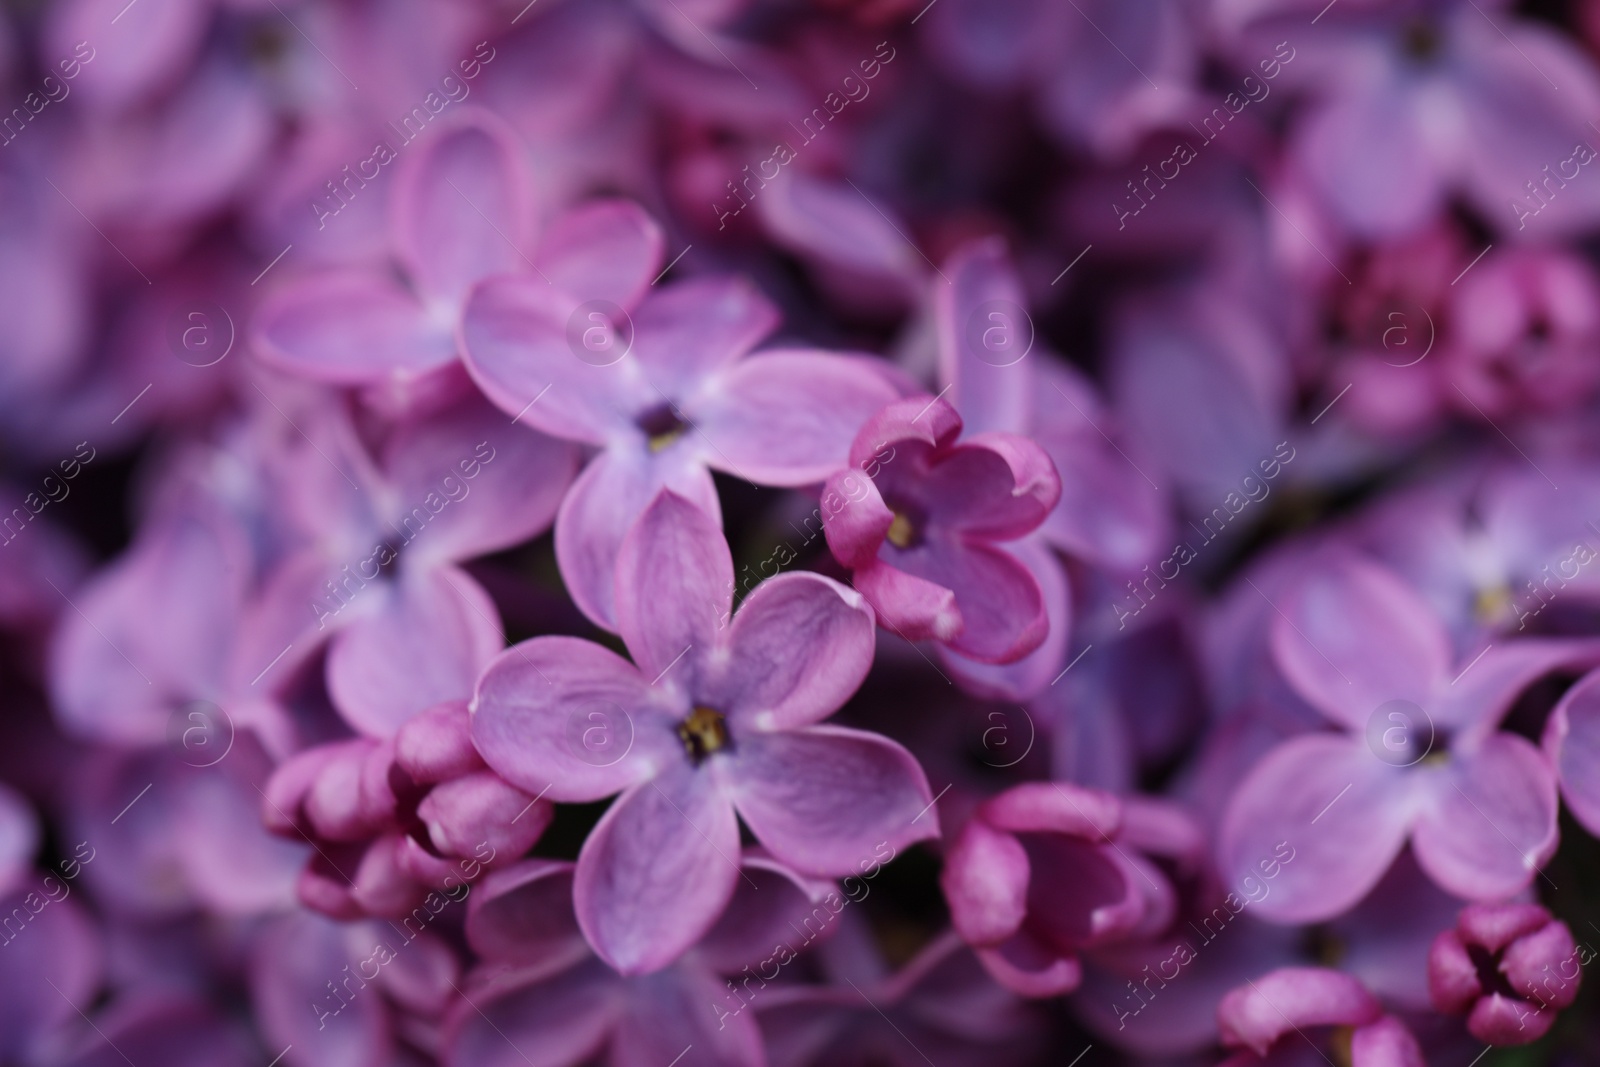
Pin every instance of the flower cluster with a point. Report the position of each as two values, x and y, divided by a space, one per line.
754 534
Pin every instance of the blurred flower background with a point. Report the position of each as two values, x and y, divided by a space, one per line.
667 533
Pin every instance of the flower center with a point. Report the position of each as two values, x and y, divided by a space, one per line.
703 732
902 531
1422 40
661 426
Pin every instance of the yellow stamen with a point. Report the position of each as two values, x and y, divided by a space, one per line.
703 732
663 440
901 532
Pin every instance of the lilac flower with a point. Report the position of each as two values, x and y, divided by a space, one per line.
1506 966
655 379
381 582
1291 1000
718 720
460 210
1451 100
1107 514
919 519
1418 756
1032 881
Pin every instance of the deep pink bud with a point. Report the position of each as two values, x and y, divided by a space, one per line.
1509 968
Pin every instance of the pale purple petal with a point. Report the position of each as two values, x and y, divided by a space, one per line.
1572 745
823 799
991 384
786 417
565 1019
1001 606
572 720
1263 1010
799 646
603 505
476 482
351 327
668 1013
417 642
1353 637
674 588
602 250
686 331
523 914
1489 821
517 342
657 870
462 207
1341 813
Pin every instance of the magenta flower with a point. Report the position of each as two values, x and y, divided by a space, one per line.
1283 1005
712 719
393 820
1108 515
1419 755
1032 881
1509 968
919 519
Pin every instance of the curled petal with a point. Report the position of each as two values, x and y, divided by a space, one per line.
1258 1013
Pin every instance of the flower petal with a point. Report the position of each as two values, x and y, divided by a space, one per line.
787 417
514 340
913 608
295 959
1489 821
685 331
985 882
463 207
991 388
657 870
1341 814
855 519
799 646
1261 1011
1353 637
674 588
568 716
565 1018
420 641
350 327
1024 678
602 250
826 799
1000 603
1572 744
516 479
603 505
997 486
523 914
668 1013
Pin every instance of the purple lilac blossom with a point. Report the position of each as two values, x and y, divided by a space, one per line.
718 533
